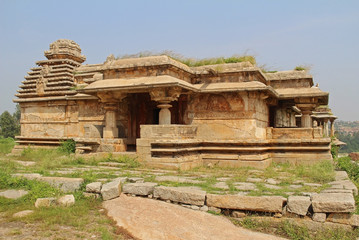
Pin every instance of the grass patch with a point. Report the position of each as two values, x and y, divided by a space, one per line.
6 145
291 230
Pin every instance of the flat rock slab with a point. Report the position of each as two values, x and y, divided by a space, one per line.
187 195
26 163
141 189
333 203
65 184
251 203
176 179
13 194
344 184
156 220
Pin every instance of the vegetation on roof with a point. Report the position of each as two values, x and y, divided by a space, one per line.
194 62
302 68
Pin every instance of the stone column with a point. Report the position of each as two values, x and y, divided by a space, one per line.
332 130
110 130
165 114
326 128
164 96
306 108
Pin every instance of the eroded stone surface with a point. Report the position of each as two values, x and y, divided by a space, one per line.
94 187
333 202
298 205
344 218
154 224
319 217
67 200
187 195
141 189
243 186
261 204
13 193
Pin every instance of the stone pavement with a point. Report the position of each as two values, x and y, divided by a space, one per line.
150 219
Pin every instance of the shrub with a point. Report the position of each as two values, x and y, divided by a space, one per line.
68 146
6 144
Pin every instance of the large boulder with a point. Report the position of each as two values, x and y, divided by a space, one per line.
142 189
250 203
333 203
298 205
187 195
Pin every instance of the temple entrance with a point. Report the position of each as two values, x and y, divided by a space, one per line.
144 111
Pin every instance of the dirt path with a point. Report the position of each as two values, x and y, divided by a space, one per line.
150 219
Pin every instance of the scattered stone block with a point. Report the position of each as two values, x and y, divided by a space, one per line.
187 195
112 189
135 180
176 179
295 186
91 195
13 194
272 181
22 213
238 214
254 180
204 208
194 207
64 183
319 217
345 184
260 204
271 186
298 205
141 189
243 186
344 218
222 185
45 202
30 176
333 203
341 175
66 201
214 209
94 187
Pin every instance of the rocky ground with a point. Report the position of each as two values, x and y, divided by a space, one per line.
86 220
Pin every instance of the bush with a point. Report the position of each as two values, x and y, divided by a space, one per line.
68 146
6 145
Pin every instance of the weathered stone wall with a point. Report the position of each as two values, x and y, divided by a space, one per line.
228 115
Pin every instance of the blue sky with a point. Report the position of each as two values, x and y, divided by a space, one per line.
281 34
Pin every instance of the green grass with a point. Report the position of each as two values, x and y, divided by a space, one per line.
291 230
6 145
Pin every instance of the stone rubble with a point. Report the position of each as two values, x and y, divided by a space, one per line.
13 193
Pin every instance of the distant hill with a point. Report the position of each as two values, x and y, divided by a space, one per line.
348 132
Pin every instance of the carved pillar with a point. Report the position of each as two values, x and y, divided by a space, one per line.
332 129
326 128
306 105
111 101
110 130
164 96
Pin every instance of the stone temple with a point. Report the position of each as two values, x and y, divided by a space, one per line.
172 115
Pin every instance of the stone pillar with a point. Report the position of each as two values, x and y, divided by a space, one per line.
110 130
326 128
306 108
164 96
165 114
332 130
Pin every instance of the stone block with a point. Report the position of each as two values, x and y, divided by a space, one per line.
135 180
142 189
260 204
91 195
341 175
112 189
214 209
187 195
45 202
204 208
344 218
298 205
94 187
333 203
319 217
238 214
13 194
344 184
22 213
66 201
64 183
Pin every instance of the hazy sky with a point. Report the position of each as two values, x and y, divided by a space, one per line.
280 34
